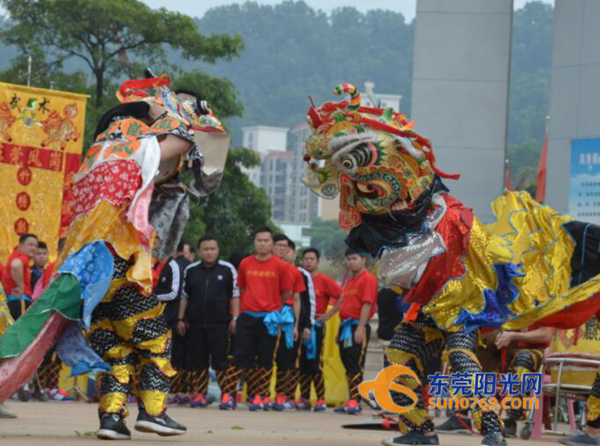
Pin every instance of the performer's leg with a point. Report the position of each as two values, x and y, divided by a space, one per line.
199 354
218 342
267 346
282 361
318 377
591 435
294 375
414 345
460 351
199 382
227 377
593 406
138 319
116 384
353 358
180 382
524 361
307 368
244 354
251 379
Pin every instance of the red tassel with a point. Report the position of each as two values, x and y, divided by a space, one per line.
143 84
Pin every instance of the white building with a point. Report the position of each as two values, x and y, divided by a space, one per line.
263 140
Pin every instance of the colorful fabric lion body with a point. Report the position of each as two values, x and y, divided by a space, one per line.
462 273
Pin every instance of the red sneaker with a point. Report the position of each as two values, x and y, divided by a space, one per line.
302 404
266 403
353 407
256 404
227 402
320 406
199 401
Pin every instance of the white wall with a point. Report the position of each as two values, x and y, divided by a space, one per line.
460 92
264 139
575 90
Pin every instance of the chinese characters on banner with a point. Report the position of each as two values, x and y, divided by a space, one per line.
41 139
584 188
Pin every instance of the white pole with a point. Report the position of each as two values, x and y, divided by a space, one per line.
29 71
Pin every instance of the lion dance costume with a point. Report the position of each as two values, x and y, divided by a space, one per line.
531 265
105 278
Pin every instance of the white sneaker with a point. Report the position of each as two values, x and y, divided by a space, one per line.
5 413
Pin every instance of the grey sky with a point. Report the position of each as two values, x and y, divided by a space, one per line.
198 8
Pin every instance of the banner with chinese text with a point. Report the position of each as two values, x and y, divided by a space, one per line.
41 140
584 187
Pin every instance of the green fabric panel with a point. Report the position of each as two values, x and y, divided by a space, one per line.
63 295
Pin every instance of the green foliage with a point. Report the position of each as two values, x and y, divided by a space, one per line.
112 37
327 237
524 159
530 72
529 99
234 211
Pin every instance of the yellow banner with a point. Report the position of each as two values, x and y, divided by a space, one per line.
41 140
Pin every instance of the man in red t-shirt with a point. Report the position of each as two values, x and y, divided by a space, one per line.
265 283
357 305
17 275
286 356
311 359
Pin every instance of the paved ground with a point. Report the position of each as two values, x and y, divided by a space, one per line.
67 424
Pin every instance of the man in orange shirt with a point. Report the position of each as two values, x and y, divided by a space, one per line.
265 283
311 359
17 275
356 306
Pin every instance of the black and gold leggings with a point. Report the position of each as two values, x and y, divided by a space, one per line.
353 357
49 371
415 345
130 333
524 361
593 404
311 370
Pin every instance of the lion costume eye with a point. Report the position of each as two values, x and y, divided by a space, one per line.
357 157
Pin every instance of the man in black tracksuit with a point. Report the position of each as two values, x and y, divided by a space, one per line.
210 297
168 290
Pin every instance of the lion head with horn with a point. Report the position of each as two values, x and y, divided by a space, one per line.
371 156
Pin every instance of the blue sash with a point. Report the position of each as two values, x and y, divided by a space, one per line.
346 332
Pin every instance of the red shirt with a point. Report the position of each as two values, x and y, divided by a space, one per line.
8 281
325 289
298 283
48 273
262 283
359 290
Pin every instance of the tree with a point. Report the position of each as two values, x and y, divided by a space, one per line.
531 58
234 210
327 237
110 36
524 160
